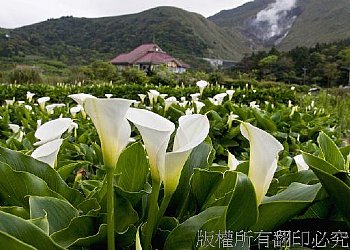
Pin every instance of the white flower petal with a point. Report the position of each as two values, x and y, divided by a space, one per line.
108 116
155 131
48 152
301 164
232 161
192 131
80 98
52 130
264 149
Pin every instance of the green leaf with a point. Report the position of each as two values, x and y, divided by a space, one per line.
42 223
278 209
25 232
264 121
133 168
337 189
202 184
315 161
18 211
242 211
15 186
184 236
20 162
9 242
89 206
125 215
59 212
331 152
79 228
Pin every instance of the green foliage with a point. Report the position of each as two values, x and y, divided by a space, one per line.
24 75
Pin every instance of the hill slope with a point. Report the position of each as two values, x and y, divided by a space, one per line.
78 40
288 23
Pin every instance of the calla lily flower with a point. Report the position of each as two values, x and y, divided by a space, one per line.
189 111
264 149
254 105
14 127
195 96
301 164
230 93
153 96
163 96
10 102
192 131
169 101
230 119
199 106
232 161
156 131
202 84
75 110
42 101
51 107
80 98
142 97
220 97
52 130
108 116
30 96
48 152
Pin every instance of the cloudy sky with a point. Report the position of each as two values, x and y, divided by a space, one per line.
16 13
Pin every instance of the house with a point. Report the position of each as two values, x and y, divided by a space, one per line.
147 57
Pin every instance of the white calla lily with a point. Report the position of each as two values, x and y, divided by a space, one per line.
192 131
220 97
202 84
230 93
108 116
75 110
264 149
80 98
52 130
301 164
195 96
51 107
199 106
155 131
232 161
42 100
10 102
153 96
142 97
48 152
14 127
169 101
30 96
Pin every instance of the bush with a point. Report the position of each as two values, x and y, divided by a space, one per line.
25 75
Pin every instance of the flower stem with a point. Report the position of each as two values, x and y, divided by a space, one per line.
163 206
152 217
110 209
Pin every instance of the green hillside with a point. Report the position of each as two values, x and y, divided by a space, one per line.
317 21
71 40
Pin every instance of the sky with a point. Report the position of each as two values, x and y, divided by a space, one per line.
16 13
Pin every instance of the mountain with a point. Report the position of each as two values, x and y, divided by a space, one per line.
72 40
287 23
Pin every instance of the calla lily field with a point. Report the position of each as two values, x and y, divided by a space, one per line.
104 166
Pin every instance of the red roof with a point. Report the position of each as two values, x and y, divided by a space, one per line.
146 54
